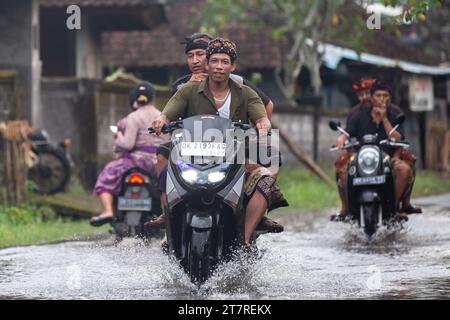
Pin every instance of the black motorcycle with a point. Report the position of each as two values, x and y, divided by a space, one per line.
370 179
205 192
138 202
52 168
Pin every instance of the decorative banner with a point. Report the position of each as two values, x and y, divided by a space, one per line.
421 93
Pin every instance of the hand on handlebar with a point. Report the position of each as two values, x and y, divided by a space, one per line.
159 123
263 125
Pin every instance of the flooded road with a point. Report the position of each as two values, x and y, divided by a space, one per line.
312 259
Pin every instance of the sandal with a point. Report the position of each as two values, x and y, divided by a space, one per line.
411 209
99 220
338 217
158 222
267 224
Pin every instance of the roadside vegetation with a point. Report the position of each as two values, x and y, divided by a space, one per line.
304 191
51 219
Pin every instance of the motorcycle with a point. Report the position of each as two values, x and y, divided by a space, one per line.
137 202
205 192
52 168
370 179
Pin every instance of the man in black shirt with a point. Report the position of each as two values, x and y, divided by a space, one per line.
378 120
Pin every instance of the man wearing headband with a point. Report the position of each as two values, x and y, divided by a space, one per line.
220 95
377 119
195 50
362 91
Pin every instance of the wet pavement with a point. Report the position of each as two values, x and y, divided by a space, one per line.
312 259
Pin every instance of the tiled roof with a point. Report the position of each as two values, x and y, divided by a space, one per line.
162 46
97 3
142 48
255 49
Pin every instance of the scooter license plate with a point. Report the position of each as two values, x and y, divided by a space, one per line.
369 180
128 204
206 149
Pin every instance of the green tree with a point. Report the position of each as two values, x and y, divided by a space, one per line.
300 27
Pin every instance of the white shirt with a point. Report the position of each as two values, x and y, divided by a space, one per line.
224 111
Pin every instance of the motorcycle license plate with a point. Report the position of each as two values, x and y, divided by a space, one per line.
369 180
207 149
128 204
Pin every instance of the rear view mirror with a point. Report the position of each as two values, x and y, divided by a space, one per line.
334 124
399 119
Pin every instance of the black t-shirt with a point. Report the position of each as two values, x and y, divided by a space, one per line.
182 80
361 123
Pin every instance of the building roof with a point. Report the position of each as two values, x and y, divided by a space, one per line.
99 3
255 49
332 56
158 47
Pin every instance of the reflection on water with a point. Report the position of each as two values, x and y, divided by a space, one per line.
312 259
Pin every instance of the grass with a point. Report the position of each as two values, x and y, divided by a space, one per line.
45 232
430 183
304 190
32 223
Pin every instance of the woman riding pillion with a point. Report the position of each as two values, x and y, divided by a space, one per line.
137 149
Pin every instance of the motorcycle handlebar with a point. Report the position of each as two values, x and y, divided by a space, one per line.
395 144
167 128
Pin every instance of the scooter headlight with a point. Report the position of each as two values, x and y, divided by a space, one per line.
190 175
369 160
216 176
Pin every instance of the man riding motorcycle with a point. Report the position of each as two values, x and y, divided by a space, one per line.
195 50
219 94
376 118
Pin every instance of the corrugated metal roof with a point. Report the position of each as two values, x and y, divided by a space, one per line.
332 55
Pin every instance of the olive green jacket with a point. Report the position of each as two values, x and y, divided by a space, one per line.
195 98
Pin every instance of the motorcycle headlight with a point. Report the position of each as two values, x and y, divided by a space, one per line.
368 160
190 175
216 176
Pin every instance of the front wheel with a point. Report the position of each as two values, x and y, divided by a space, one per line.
370 216
198 258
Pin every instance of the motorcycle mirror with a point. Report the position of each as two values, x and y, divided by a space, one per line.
399 119
334 124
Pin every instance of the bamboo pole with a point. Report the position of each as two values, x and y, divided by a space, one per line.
300 154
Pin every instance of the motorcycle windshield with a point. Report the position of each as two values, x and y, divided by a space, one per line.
205 139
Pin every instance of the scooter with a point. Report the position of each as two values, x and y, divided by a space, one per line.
137 202
205 192
370 179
